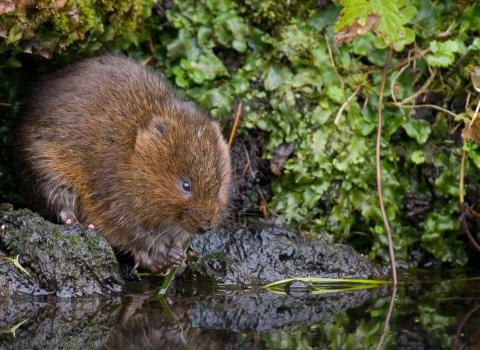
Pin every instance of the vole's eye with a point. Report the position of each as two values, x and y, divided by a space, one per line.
187 186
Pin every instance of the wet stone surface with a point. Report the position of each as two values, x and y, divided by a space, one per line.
65 261
263 254
262 311
57 323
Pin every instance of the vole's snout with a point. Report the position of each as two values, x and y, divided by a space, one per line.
205 226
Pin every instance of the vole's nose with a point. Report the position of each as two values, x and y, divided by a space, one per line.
206 226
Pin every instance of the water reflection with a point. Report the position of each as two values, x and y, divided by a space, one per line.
435 314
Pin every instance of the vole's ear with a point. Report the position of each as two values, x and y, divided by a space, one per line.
158 126
149 133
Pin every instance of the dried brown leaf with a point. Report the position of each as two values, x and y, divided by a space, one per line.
348 33
6 6
282 153
472 131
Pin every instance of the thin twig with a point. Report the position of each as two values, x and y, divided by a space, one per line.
233 131
147 60
462 323
330 55
441 109
420 91
467 211
4 104
386 325
461 186
378 167
464 156
419 53
475 115
263 203
345 104
394 80
467 102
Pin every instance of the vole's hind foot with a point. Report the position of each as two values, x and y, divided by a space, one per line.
63 201
68 217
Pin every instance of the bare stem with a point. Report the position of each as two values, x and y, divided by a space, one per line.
386 325
438 108
238 113
330 55
345 104
462 179
378 167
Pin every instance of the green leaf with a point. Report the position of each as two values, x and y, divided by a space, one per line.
443 53
418 129
388 18
418 157
275 77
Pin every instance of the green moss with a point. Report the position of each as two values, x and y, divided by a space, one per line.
281 61
52 29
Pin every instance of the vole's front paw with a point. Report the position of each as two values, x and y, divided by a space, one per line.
154 265
176 256
160 264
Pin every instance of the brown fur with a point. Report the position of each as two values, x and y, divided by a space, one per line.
105 140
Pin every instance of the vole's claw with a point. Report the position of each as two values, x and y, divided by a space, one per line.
68 217
176 256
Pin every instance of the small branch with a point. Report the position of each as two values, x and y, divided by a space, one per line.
233 131
147 60
345 104
438 108
420 91
462 323
394 80
462 180
419 53
263 203
330 55
467 211
386 325
475 115
378 167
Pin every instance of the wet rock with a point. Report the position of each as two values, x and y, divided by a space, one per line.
65 261
36 323
268 312
263 254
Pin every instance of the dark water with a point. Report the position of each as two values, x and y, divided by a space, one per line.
430 311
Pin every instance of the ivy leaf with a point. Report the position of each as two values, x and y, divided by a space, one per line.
207 67
443 53
418 129
275 77
475 46
418 157
386 18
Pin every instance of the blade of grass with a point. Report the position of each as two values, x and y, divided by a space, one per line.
324 280
167 281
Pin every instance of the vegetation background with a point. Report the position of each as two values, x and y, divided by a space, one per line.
308 75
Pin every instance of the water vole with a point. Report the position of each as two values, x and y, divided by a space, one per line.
105 142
